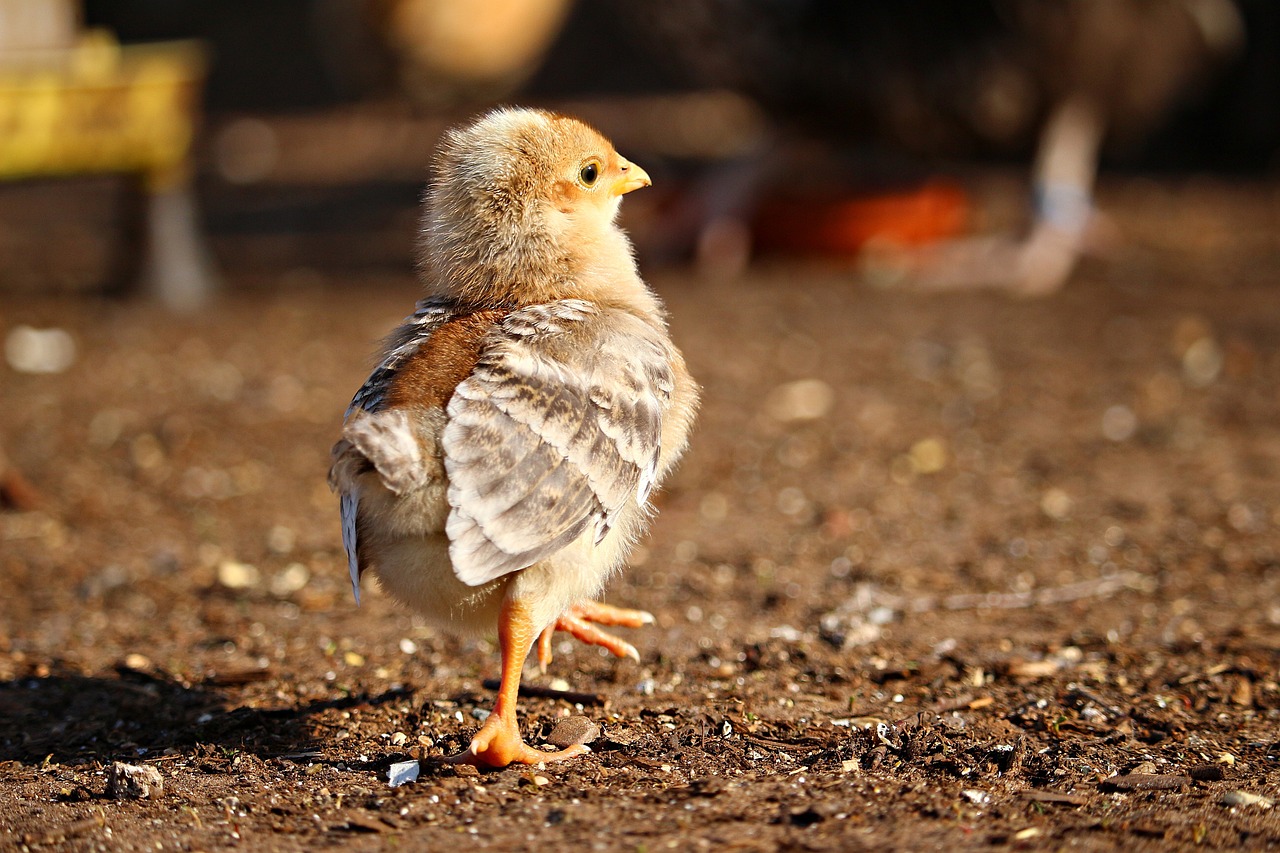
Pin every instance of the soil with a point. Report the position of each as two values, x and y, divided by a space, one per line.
938 572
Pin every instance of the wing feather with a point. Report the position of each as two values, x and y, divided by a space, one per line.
428 316
349 504
579 393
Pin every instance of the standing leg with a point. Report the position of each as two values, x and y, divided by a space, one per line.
498 742
1040 262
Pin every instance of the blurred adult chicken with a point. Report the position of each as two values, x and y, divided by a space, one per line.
935 77
496 467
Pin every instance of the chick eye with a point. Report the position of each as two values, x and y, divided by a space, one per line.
590 174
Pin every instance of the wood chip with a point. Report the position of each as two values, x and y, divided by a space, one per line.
1145 782
1036 795
1034 668
67 831
1245 798
1242 691
963 703
237 677
805 743
16 490
1207 773
536 692
621 736
359 827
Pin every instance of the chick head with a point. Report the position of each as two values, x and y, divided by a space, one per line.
521 200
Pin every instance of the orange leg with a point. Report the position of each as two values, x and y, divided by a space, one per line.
581 619
498 742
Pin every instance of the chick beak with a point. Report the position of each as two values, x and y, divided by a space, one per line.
632 178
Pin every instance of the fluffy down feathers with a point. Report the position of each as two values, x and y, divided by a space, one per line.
523 414
497 464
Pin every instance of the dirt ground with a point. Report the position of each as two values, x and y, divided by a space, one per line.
939 572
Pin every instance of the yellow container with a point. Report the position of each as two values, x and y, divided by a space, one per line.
100 107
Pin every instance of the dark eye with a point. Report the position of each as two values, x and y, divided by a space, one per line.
589 174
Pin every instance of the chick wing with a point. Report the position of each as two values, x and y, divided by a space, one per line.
553 429
558 426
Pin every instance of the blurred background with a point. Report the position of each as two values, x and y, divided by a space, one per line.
982 297
806 128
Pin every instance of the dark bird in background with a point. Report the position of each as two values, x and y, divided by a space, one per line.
496 467
937 78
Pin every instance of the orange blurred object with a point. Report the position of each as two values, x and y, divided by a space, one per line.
842 226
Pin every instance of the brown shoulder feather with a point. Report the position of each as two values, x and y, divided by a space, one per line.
428 377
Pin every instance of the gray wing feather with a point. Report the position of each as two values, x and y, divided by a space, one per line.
428 315
556 429
350 506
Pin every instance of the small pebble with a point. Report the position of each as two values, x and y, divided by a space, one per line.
1202 362
802 400
134 782
573 730
1244 798
1119 423
236 575
31 350
137 662
291 579
928 456
402 772
281 539
1056 504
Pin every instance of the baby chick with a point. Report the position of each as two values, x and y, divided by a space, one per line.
496 466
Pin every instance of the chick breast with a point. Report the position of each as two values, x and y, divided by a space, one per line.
489 442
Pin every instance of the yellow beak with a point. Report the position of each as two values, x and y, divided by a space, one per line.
632 178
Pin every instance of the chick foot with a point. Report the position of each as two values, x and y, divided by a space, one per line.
580 621
498 742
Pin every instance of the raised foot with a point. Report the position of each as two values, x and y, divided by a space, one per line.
580 621
500 745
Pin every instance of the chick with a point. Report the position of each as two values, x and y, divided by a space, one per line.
495 468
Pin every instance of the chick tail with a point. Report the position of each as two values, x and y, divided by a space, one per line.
350 503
